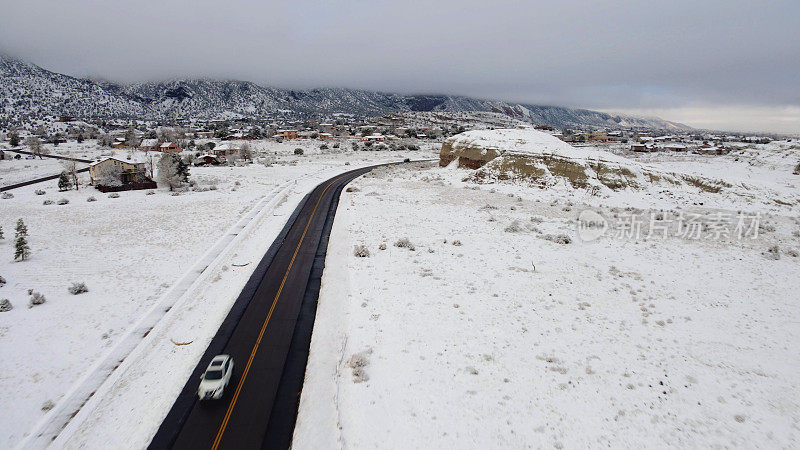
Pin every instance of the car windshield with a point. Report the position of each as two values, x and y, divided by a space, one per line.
213 375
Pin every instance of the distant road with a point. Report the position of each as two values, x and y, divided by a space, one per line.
267 332
49 156
47 178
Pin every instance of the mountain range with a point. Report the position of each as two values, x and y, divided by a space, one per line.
28 92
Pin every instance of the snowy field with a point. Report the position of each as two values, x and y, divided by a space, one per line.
492 332
130 251
18 170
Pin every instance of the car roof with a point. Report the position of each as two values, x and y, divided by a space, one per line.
218 360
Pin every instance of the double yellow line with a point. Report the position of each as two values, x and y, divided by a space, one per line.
228 413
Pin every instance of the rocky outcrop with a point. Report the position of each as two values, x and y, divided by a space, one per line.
535 157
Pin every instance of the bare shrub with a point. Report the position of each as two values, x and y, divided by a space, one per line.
150 193
40 192
7 195
457 243
78 288
2 281
5 305
514 227
62 201
361 251
773 253
298 151
91 199
382 246
36 299
405 243
48 202
48 405
358 363
558 238
793 253
113 195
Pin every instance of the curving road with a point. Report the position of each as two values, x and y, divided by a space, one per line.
268 332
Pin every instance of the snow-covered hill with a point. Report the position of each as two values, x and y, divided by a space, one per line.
28 91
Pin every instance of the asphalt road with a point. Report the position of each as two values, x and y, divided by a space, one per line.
267 331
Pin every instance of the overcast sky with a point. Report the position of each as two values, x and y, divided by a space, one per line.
719 64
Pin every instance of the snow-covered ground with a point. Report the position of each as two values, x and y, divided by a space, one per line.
491 332
131 252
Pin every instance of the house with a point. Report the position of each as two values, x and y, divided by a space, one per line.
226 151
206 159
170 147
675 147
326 128
118 143
112 173
149 145
326 136
204 134
640 148
286 134
307 134
374 138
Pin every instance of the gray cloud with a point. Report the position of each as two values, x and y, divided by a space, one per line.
610 54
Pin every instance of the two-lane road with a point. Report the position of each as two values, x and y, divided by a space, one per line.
259 407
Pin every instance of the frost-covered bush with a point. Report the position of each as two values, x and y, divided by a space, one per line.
113 195
558 238
773 253
537 219
514 227
48 405
63 201
382 246
793 253
352 189
2 281
78 288
7 195
5 305
91 199
48 202
36 299
150 193
40 192
361 251
405 243
457 243
298 151
323 147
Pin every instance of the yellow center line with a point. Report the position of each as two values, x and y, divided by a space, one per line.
266 321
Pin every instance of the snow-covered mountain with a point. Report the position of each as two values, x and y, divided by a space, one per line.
27 91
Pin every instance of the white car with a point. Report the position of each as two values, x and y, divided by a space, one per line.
216 378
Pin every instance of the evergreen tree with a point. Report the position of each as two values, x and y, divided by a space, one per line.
64 182
14 139
21 248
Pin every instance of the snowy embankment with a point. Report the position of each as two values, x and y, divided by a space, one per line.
493 332
140 255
